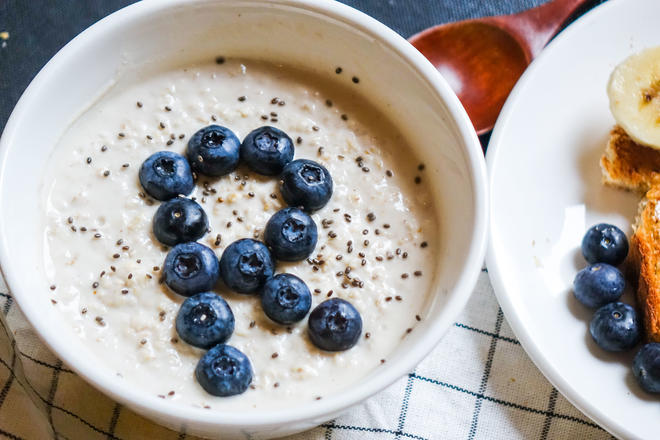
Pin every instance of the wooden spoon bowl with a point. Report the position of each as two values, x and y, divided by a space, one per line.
482 59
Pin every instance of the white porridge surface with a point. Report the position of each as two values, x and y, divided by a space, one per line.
377 235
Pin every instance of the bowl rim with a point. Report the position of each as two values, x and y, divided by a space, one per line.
121 391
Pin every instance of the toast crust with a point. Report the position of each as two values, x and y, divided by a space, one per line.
627 164
645 256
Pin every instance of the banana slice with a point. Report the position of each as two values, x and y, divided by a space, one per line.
634 93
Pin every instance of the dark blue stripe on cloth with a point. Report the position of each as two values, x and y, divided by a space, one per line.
487 333
374 430
404 406
9 435
486 375
504 402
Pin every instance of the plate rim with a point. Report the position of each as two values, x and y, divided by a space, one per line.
494 273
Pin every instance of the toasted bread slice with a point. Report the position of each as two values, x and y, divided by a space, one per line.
645 256
627 164
635 167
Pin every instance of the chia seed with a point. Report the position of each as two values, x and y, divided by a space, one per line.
355 79
338 70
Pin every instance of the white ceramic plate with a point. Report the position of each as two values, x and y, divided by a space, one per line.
546 190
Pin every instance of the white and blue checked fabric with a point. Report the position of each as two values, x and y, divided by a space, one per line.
478 383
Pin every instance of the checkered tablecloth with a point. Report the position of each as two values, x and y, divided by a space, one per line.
477 384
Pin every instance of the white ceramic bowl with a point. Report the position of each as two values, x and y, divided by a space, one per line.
320 34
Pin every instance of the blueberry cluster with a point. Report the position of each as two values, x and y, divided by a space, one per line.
614 326
246 266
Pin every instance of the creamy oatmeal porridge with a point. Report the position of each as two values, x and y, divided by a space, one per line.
376 246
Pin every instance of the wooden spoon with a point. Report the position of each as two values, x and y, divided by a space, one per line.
483 58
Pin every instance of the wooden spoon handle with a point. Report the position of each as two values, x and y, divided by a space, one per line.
538 25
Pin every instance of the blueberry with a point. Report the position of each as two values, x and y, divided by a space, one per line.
246 265
291 234
266 150
307 184
214 151
614 327
285 298
179 220
605 243
646 367
224 371
205 320
190 268
334 325
165 175
598 284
